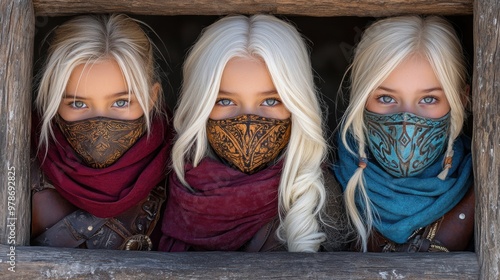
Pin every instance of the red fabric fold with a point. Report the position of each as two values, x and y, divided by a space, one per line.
107 192
225 210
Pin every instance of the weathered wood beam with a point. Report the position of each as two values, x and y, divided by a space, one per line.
319 8
45 262
17 27
486 135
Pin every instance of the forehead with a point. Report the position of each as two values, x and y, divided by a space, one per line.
246 75
414 71
101 77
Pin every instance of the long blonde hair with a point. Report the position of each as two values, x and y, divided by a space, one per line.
384 45
89 39
280 46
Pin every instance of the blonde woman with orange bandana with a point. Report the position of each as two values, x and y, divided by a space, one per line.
248 155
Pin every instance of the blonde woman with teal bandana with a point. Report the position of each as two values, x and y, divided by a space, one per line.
404 166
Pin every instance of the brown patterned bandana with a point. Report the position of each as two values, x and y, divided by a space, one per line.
248 142
101 141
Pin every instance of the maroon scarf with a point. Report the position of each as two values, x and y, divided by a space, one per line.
226 210
109 191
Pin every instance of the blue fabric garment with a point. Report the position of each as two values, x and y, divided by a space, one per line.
409 203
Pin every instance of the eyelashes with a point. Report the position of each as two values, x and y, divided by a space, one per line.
387 99
271 102
429 99
122 103
268 102
224 102
77 105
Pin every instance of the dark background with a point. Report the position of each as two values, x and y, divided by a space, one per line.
330 39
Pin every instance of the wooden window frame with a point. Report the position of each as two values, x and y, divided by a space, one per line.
17 20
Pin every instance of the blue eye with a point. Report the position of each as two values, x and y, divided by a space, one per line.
224 102
78 105
386 99
429 100
120 103
271 102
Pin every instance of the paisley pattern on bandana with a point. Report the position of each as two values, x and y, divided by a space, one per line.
101 141
248 142
405 144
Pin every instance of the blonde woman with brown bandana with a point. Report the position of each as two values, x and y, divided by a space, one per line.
101 138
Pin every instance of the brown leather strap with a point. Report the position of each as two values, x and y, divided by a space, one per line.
265 239
130 230
72 231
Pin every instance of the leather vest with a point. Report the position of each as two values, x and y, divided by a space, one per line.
130 230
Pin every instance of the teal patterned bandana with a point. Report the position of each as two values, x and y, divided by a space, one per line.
405 204
405 144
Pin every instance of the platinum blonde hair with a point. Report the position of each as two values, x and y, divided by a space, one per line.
384 45
281 47
90 39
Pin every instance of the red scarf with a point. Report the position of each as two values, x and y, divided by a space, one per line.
107 192
226 209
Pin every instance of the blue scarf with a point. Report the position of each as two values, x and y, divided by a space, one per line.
406 204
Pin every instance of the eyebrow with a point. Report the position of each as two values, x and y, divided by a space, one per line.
427 90
112 96
268 92
432 89
385 89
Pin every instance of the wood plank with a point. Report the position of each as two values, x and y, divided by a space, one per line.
16 58
45 262
486 135
373 8
320 8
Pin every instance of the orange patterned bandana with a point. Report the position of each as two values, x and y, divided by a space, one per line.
248 142
101 141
